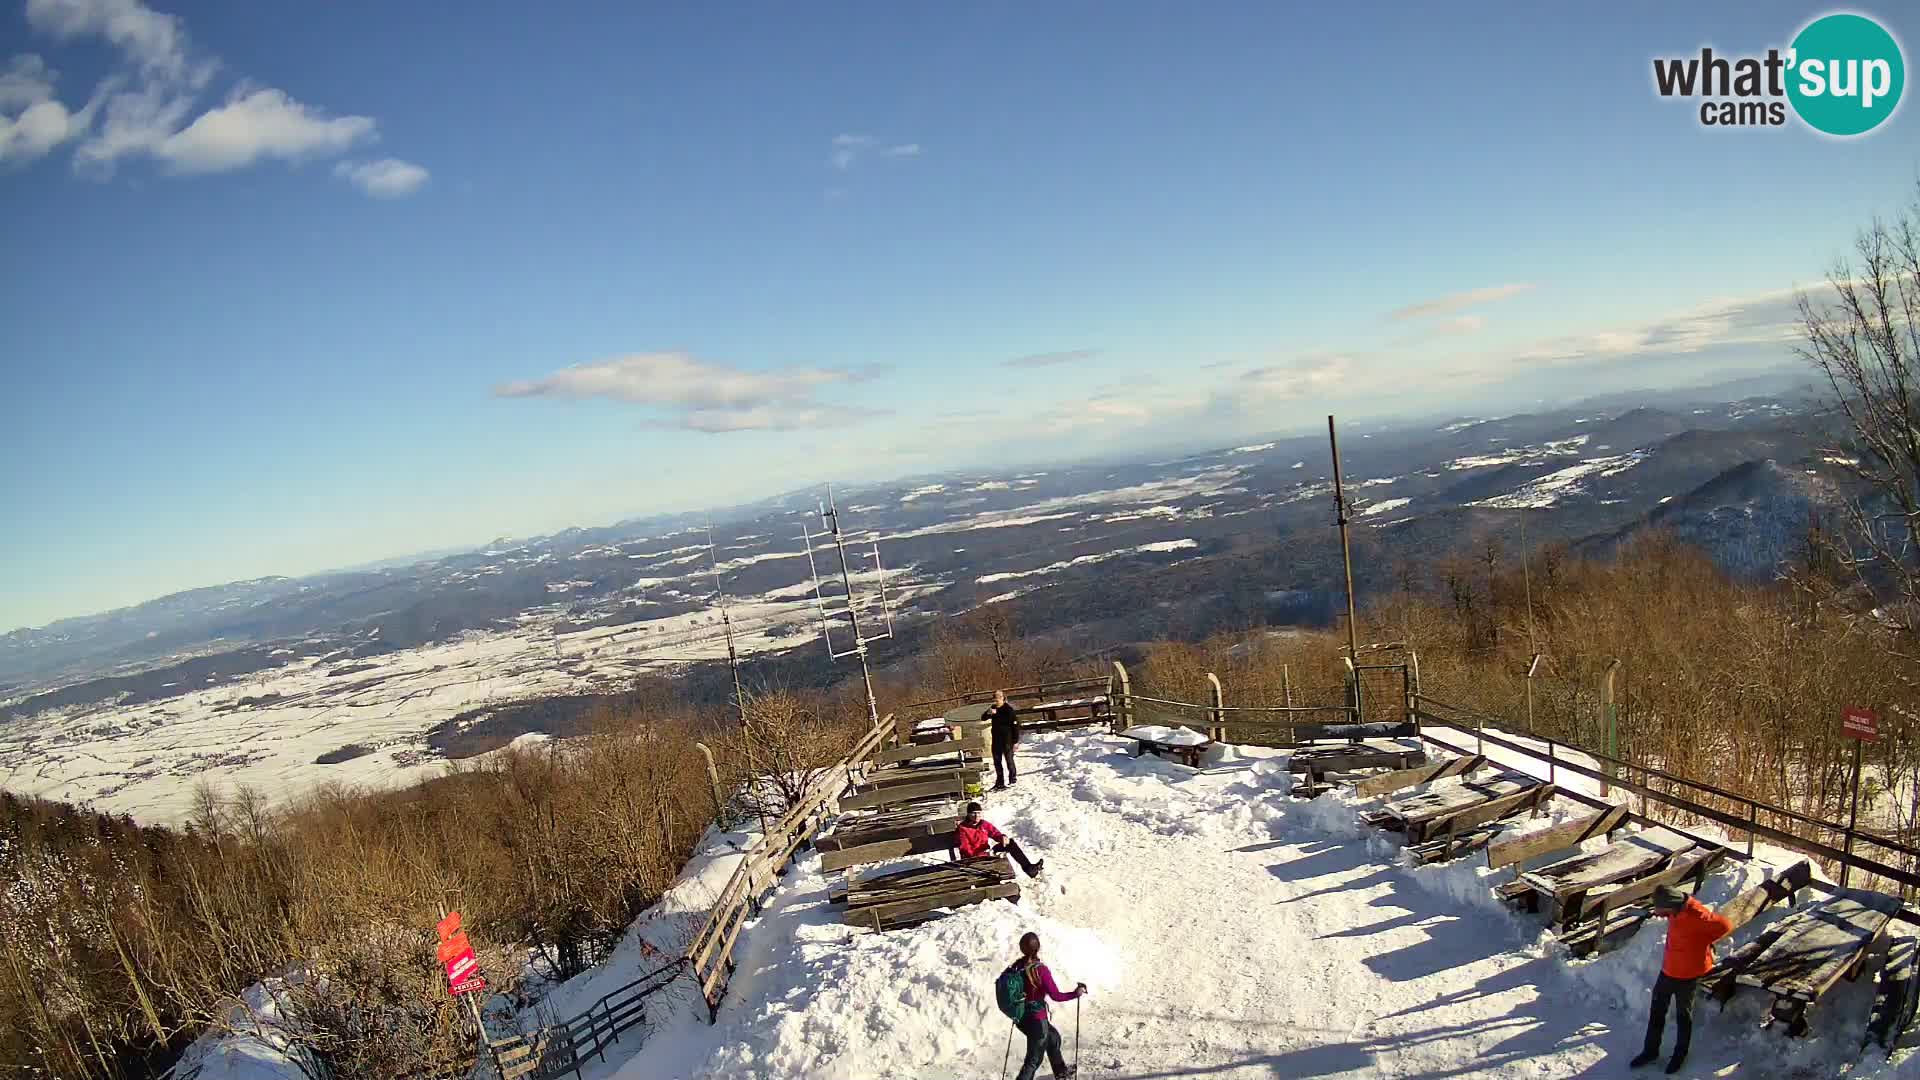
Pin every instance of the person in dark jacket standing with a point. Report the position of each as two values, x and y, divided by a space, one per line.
1692 928
1006 733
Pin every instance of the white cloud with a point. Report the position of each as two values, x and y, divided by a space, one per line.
1464 324
1071 356
388 178
32 120
148 109
1446 305
255 124
155 42
703 395
846 151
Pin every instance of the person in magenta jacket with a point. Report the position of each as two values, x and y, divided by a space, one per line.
1043 1039
976 836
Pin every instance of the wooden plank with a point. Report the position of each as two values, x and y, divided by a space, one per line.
894 796
1894 995
1456 844
1485 812
1629 856
1565 835
884 850
881 914
1422 774
1821 944
926 881
1327 759
912 752
1741 909
936 820
1604 901
1416 810
900 776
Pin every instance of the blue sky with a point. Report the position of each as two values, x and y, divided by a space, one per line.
298 286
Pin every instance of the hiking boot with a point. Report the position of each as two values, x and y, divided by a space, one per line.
1072 1071
1645 1059
999 787
1674 1065
1037 867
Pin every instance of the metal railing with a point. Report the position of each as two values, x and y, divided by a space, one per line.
1739 813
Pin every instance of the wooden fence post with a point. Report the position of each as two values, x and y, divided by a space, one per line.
1123 701
713 783
1609 719
1218 733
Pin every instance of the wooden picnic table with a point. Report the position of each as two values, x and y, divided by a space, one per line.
1815 948
1415 812
1183 744
1567 882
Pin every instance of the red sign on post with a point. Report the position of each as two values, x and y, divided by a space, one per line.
456 952
1858 723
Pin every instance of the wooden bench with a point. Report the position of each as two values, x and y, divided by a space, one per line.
903 897
1420 816
1565 884
1475 827
1179 743
1809 952
1324 765
1592 927
901 823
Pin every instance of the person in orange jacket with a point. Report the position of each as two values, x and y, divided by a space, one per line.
1692 928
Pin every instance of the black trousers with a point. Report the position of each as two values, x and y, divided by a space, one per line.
1680 992
1003 755
1043 1041
1013 848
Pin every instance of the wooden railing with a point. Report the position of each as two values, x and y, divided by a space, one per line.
711 956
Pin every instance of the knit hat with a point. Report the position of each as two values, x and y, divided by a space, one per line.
1668 898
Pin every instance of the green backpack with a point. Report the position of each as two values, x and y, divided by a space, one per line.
1010 991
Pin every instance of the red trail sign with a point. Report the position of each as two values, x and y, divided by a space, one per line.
1858 723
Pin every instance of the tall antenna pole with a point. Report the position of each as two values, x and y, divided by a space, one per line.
739 694
831 515
1346 549
1526 574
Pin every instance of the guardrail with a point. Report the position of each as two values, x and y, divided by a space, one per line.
1222 720
1035 692
711 956
1691 797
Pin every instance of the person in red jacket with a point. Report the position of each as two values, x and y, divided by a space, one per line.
975 836
1692 928
1043 1039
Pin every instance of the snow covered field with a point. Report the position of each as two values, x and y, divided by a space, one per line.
1227 931
268 729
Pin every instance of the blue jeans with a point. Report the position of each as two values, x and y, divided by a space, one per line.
1043 1041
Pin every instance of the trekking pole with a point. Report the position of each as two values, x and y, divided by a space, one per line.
1008 1056
1076 1033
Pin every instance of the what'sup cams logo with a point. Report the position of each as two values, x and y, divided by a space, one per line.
1842 76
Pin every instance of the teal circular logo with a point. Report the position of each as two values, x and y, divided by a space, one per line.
1845 74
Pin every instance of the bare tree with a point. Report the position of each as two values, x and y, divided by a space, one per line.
1866 342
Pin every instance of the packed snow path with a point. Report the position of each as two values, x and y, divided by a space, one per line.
1227 931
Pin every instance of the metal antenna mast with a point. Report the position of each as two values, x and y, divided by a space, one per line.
733 661
1346 547
830 517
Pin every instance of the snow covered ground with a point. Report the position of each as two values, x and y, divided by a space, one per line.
1227 931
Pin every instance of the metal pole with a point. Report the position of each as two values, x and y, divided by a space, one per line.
739 693
846 579
1853 818
1346 555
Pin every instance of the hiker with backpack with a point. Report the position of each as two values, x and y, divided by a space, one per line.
975 836
1692 928
1022 992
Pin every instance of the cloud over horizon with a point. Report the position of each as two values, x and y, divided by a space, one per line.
147 108
1460 301
1051 359
848 150
704 395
